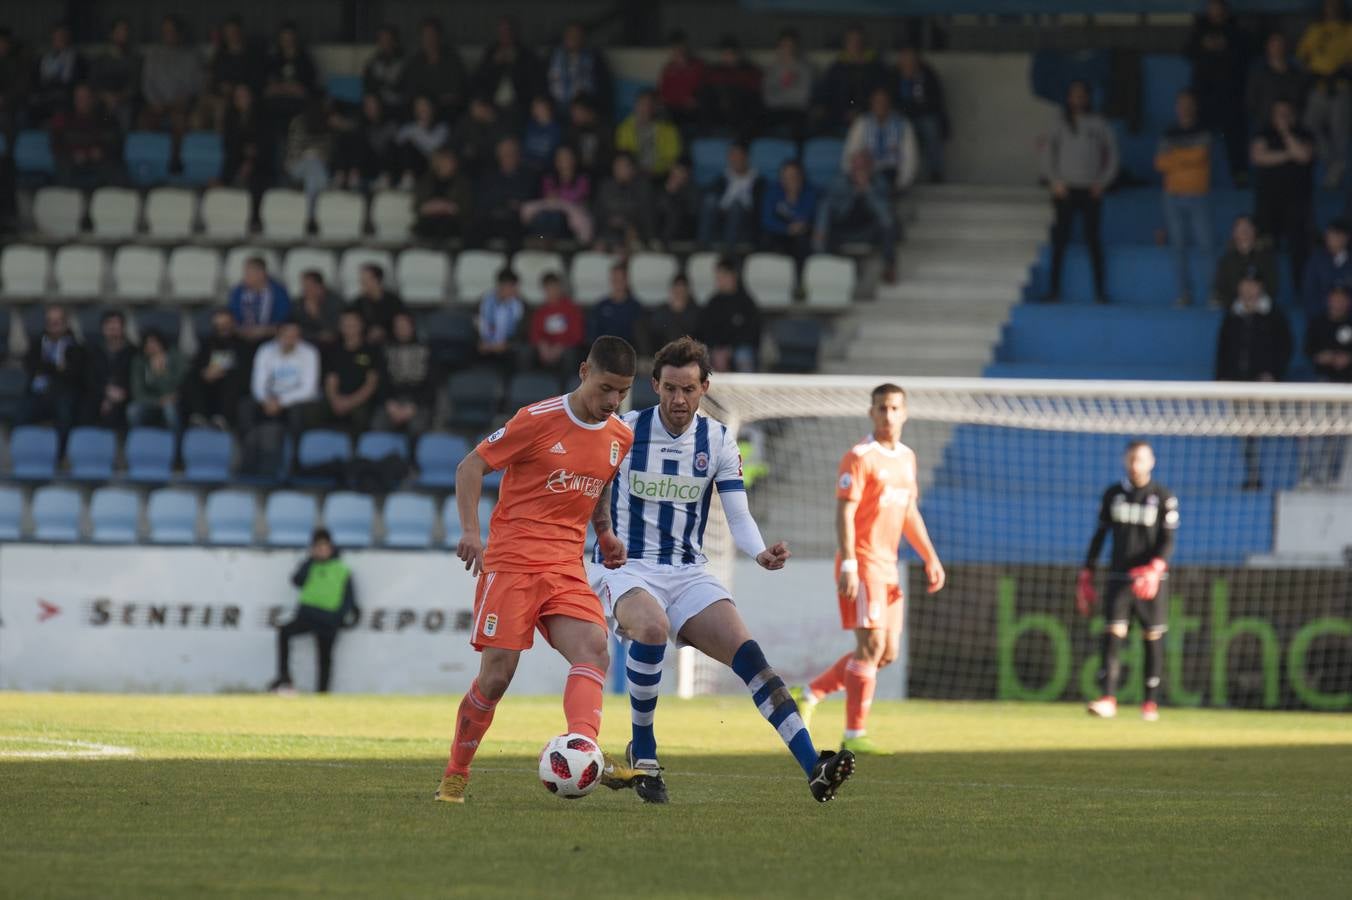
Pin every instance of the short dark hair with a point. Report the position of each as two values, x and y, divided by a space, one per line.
679 278
376 270
116 314
1133 446
680 353
312 275
321 534
256 261
885 389
550 278
506 276
614 355
154 334
1339 224
727 264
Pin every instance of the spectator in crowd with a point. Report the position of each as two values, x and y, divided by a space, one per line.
618 313
1080 162
577 69
309 149
477 135
86 143
1220 51
419 139
171 79
509 73
409 391
285 389
730 322
157 375
317 310
352 375
216 377
654 142
730 93
291 77
235 62
501 193
920 98
328 602
1326 49
1328 337
501 312
563 208
590 138
108 369
1254 345
443 200
542 135
788 212
1283 159
59 68
786 88
384 73
55 366
676 207
680 81
436 72
375 303
731 206
857 209
624 208
678 318
848 82
1243 255
1184 158
1273 78
1330 266
366 153
259 303
115 74
247 142
556 329
887 137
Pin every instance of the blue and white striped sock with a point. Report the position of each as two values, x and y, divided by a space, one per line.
772 699
644 672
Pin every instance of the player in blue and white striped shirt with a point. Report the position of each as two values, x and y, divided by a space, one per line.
659 506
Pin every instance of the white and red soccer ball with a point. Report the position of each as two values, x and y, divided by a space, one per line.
570 766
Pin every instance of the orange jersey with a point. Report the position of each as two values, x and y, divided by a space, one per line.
557 466
883 483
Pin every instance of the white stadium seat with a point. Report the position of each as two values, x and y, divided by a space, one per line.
300 260
699 269
590 275
237 256
194 274
476 272
25 270
225 214
829 281
423 275
58 211
170 213
137 272
769 278
283 214
392 216
79 271
650 277
532 265
115 213
340 216
349 268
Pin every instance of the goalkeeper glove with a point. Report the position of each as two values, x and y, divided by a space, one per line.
1145 580
1085 595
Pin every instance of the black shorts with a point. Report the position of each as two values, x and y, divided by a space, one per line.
1120 605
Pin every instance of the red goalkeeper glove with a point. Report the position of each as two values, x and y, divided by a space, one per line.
1085 595
1145 580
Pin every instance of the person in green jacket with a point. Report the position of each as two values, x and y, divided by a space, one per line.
328 602
654 142
156 376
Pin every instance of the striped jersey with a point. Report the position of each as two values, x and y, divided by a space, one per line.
659 502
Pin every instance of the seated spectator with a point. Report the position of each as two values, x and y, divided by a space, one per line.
730 322
788 212
115 74
327 603
1219 49
1283 162
654 143
1184 158
55 366
576 69
541 136
259 303
678 318
680 81
236 61
731 207
618 313
309 148
676 207
366 153
556 331
375 303
501 193
409 388
590 137
856 209
509 73
1243 256
1079 161
419 139
1254 345
59 68
108 368
563 208
1273 78
730 92
436 72
385 72
157 374
501 312
1328 337
844 91
217 376
171 79
249 148
920 98
86 143
1330 266
887 138
285 392
786 88
1326 50
352 375
317 310
442 200
291 77
624 208
477 134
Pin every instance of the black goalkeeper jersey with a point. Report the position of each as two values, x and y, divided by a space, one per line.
1142 520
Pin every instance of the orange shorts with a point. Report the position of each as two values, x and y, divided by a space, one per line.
878 604
510 606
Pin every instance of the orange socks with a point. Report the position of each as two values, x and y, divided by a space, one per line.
472 721
582 694
833 679
861 679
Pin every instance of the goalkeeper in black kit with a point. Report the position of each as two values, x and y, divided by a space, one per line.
1143 516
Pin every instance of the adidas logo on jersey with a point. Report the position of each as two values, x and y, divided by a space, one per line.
558 448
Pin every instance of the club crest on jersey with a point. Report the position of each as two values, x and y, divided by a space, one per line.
614 453
497 435
701 462
490 624
846 481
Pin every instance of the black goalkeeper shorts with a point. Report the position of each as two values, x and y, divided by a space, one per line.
1120 605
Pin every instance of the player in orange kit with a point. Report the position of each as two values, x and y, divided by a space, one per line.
560 456
876 507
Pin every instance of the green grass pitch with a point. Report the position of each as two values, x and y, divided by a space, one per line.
259 796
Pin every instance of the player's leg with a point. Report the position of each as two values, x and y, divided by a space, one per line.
285 633
861 681
586 647
324 640
1153 616
834 677
640 618
496 668
1116 612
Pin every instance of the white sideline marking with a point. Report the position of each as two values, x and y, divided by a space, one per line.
71 749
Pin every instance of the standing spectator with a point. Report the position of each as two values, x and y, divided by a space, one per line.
1326 49
887 137
1220 50
235 62
786 88
1283 158
731 206
577 69
285 391
375 303
352 375
730 93
1243 255
115 74
477 134
384 73
442 200
920 98
259 303
857 209
58 69
419 139
317 310
501 193
409 390
309 148
171 79
291 77
1330 266
1080 162
624 208
788 213
850 79
247 142
618 313
556 329
590 138
1184 157
366 154
730 322
501 312
108 369
436 72
55 366
86 143
1328 344
217 376
654 143
1254 345
562 210
542 135
680 81
676 207
509 73
678 318
1273 78
156 377
328 602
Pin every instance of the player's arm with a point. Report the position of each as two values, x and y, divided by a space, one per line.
1145 580
746 535
613 550
1085 594
847 585
469 487
917 535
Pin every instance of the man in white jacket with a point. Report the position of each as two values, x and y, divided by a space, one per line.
887 137
285 388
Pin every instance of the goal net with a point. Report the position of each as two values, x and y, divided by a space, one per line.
1011 476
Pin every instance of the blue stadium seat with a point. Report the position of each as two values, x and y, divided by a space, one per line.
475 397
1163 75
708 158
319 446
114 516
168 322
32 453
33 153
451 335
821 160
56 514
531 387
91 452
202 154
345 88
626 91
147 154
450 519
230 518
799 343
768 154
350 518
436 459
150 455
11 513
408 520
380 444
172 515
290 518
13 382
206 456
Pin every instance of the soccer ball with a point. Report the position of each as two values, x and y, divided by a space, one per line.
570 766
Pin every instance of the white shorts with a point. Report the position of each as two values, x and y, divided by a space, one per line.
683 591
